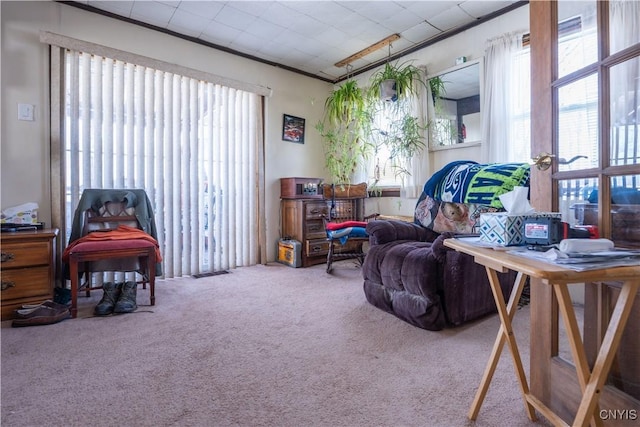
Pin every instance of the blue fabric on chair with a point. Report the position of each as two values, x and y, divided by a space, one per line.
343 234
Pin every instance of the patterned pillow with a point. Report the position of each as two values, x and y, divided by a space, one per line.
449 216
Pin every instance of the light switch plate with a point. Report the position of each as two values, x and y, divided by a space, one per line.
25 112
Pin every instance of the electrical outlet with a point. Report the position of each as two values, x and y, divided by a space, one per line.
25 112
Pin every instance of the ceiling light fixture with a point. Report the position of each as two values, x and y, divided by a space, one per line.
364 52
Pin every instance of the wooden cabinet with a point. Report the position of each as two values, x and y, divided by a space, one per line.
302 220
27 268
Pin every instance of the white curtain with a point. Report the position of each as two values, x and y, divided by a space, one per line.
419 165
498 110
193 145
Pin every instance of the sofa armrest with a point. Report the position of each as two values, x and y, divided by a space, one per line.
384 231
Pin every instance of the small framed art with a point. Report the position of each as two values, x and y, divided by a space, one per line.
293 129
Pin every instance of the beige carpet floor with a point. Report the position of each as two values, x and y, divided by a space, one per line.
260 346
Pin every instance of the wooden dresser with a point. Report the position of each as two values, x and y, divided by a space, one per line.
302 220
27 268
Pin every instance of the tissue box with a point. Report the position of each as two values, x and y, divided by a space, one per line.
506 229
22 214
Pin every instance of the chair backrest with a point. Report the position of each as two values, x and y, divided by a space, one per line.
108 217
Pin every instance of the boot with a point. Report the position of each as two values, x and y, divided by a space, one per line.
127 301
111 293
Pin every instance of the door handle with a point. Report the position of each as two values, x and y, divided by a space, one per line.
543 161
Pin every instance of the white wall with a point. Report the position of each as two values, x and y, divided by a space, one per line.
24 146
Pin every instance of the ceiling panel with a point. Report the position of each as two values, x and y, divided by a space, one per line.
307 36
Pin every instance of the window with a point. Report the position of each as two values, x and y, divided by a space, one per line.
397 136
192 144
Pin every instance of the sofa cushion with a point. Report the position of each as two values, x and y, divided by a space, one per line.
383 231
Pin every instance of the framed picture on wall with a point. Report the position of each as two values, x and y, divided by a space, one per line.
293 129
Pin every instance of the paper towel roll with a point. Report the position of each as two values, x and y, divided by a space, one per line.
585 245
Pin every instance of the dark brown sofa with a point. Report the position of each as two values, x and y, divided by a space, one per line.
409 273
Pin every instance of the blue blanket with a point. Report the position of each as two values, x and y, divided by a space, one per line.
343 234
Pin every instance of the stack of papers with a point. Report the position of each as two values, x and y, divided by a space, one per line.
581 261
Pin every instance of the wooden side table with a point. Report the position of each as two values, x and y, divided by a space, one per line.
591 382
28 268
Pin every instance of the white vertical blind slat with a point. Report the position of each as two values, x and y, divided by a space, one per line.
107 124
96 120
175 189
168 174
128 140
73 140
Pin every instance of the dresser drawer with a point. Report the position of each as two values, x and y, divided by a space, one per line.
317 247
14 255
315 210
314 229
26 282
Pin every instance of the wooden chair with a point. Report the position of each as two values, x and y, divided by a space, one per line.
351 247
100 254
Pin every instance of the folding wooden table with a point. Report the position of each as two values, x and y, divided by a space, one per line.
591 382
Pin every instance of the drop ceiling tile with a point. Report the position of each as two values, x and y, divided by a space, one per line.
205 9
449 19
332 36
188 23
379 13
168 2
122 8
247 43
219 33
307 26
478 9
266 30
255 8
297 58
429 9
401 20
313 49
235 18
275 49
421 32
279 14
151 12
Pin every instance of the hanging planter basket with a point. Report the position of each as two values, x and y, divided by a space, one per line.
388 92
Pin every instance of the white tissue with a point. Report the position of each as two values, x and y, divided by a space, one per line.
515 202
585 245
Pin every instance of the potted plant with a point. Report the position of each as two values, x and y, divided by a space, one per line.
342 130
395 81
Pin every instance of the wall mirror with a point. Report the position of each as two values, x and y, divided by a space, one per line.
455 117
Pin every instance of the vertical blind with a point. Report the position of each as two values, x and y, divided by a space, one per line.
193 145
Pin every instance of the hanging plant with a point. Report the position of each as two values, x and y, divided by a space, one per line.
345 122
345 103
406 77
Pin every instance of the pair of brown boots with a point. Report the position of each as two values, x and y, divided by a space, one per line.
117 298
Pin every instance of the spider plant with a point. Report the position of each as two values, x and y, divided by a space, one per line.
405 75
342 129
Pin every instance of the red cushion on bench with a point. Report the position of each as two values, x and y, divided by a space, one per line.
112 244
